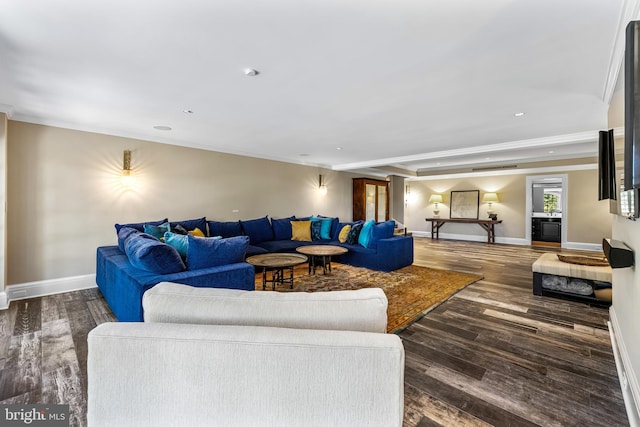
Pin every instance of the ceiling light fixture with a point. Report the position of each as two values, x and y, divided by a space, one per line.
251 72
338 148
519 114
162 128
187 111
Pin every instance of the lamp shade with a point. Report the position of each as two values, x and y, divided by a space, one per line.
490 197
435 198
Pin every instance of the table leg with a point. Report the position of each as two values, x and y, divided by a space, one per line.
264 278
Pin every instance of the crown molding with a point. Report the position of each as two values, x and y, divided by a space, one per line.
574 138
630 12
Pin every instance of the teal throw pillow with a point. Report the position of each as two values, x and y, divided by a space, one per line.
178 241
157 231
365 233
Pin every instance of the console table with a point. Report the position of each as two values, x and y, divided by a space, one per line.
487 224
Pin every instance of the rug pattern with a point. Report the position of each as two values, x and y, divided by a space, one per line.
411 291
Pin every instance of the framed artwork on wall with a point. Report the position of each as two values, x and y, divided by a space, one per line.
465 204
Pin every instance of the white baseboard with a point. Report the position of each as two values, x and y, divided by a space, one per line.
628 378
473 238
583 246
506 240
47 287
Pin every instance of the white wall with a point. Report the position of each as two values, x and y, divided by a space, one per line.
625 311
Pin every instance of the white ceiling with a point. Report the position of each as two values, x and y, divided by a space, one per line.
415 84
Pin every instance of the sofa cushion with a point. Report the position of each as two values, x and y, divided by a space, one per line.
382 230
178 241
352 237
344 233
365 233
330 228
301 230
140 225
157 231
351 310
282 228
224 229
124 234
191 224
213 252
145 252
258 230
316 229
257 250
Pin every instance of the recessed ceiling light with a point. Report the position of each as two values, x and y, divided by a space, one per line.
338 148
518 114
551 151
162 128
187 111
251 72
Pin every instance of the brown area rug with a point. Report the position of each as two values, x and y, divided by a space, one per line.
412 291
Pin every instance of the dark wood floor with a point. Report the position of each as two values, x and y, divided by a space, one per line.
494 354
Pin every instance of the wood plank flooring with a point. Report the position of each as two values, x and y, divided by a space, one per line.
494 354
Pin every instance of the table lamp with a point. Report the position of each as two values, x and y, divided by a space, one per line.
490 198
436 198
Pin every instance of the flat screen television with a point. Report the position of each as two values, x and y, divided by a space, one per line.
632 107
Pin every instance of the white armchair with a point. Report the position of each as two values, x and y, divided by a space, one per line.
269 373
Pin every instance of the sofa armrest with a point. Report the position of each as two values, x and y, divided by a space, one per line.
151 374
362 310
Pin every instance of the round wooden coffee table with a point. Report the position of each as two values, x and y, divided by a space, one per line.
278 264
320 255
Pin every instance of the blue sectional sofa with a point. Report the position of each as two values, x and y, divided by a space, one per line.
383 251
140 261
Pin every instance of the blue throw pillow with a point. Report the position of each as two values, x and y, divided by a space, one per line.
140 225
316 229
365 233
259 230
191 224
124 234
224 229
382 230
157 231
148 253
354 233
208 252
282 228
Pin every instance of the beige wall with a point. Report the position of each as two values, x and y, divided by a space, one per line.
588 220
65 193
3 202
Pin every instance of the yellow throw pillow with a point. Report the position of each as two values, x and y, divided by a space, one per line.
342 237
196 232
301 230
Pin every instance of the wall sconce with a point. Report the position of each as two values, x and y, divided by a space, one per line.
322 188
436 198
491 198
126 163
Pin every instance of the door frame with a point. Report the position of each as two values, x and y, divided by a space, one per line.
531 179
